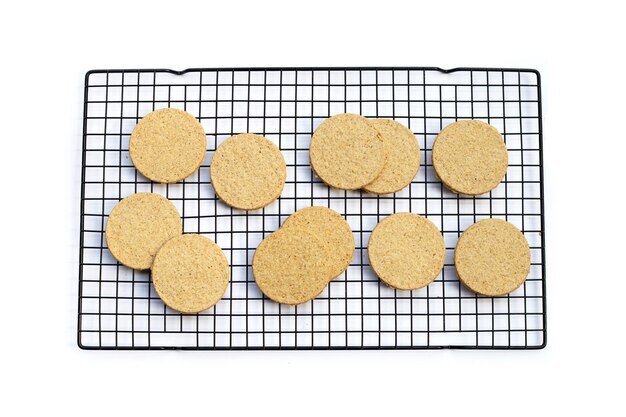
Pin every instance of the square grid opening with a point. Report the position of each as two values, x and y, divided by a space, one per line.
118 307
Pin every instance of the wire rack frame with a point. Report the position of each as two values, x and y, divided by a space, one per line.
119 309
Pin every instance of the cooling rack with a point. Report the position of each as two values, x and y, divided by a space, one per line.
118 307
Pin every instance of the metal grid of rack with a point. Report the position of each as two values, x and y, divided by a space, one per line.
119 309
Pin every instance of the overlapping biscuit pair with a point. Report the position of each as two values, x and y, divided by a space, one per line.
350 152
189 272
295 263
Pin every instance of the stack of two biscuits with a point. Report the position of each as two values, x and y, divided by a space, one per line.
350 152
295 263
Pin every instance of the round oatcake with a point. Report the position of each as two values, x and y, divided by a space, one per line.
292 266
403 157
190 273
167 145
248 171
347 152
492 257
332 229
406 251
470 157
138 226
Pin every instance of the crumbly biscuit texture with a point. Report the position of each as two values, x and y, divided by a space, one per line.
248 171
492 257
167 145
470 157
347 152
403 157
138 226
406 251
190 273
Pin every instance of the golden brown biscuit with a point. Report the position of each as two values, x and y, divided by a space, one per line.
167 145
492 257
292 266
332 229
248 171
190 273
347 152
406 251
470 157
138 226
403 157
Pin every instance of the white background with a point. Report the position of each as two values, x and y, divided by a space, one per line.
47 48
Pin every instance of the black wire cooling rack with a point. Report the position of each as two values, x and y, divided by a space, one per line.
119 309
